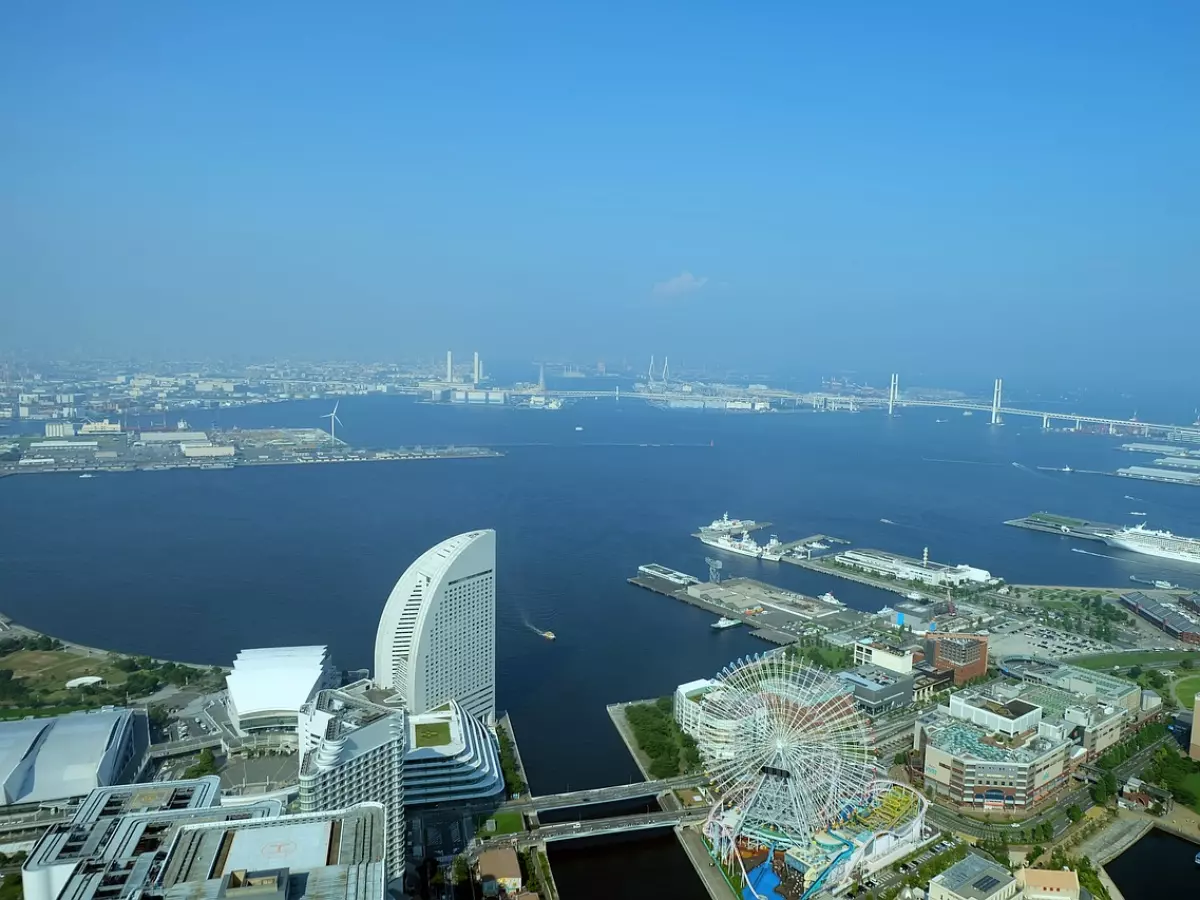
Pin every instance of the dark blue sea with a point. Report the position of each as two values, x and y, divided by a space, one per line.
198 565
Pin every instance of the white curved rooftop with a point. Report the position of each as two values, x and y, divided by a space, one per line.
274 679
67 756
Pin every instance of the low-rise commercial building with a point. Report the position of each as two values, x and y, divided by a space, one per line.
877 690
1048 884
1075 680
499 868
971 766
870 652
974 878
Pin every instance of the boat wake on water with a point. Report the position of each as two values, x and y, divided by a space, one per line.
1090 553
961 462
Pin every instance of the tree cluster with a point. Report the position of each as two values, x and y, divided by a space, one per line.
514 784
28 642
1171 770
1135 743
206 765
660 738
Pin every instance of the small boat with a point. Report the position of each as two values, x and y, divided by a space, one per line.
722 623
1066 469
87 475
830 599
1198 859
1137 513
548 635
579 428
887 521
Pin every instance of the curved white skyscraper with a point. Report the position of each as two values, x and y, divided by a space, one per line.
437 635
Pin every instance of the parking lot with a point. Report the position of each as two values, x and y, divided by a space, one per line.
260 774
1016 639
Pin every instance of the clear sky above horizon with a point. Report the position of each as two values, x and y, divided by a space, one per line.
950 186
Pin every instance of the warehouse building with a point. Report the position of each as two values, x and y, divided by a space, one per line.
922 571
1162 615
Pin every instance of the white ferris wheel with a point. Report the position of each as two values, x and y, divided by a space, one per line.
787 751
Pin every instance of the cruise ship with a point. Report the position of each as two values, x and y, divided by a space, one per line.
726 525
743 546
1141 539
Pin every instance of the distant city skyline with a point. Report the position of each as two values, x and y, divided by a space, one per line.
959 190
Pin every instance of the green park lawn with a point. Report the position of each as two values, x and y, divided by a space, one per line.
1186 690
432 734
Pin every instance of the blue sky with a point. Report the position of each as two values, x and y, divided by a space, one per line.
851 185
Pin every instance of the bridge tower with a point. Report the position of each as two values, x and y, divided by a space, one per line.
997 393
650 372
666 371
893 392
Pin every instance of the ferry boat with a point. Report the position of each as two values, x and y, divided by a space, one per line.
726 525
1140 539
830 599
1158 583
773 549
743 546
723 623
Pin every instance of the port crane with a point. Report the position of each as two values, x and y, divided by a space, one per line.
714 569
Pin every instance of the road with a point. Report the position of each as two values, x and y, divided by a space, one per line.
602 795
594 827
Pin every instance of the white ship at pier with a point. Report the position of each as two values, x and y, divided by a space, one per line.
743 546
1140 539
726 525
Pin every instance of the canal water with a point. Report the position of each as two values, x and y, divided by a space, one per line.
1157 867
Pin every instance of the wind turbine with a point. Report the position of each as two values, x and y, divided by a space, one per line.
334 421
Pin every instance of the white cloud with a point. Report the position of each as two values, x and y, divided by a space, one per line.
683 283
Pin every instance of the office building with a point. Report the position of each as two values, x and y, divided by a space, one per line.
965 654
974 878
1194 746
877 690
437 636
62 757
269 685
359 744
